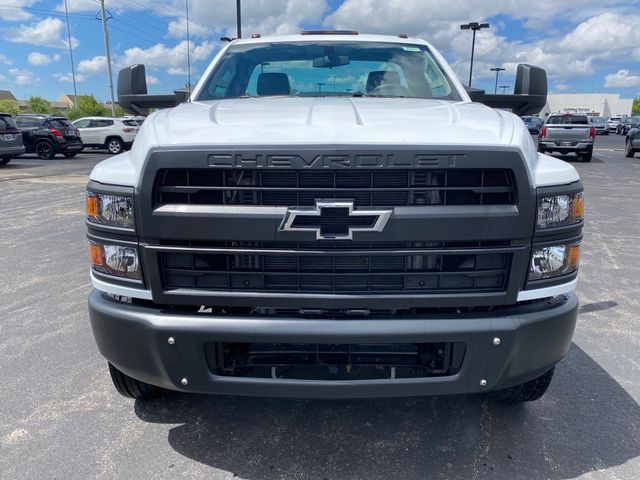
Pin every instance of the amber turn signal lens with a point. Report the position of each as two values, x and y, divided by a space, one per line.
96 255
578 207
92 206
573 257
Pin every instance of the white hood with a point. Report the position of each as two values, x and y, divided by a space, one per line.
331 120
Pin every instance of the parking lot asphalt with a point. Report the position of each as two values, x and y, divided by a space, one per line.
61 417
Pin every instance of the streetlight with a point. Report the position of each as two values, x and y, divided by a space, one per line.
504 88
474 26
320 85
238 19
497 70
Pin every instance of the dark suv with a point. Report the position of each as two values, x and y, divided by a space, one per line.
10 139
45 136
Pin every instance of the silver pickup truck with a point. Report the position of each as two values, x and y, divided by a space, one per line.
567 134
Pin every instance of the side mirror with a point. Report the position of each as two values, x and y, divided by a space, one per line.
530 80
133 97
529 95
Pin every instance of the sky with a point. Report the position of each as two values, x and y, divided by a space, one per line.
585 45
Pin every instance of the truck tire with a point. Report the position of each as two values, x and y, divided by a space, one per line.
44 150
526 392
132 388
628 151
586 157
5 160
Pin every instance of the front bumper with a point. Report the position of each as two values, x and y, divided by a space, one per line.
533 338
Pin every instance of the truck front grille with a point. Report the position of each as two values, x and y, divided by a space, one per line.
338 271
389 187
335 361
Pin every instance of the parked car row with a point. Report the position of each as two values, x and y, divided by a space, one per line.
48 136
603 126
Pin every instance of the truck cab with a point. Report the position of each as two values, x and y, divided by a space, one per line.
331 215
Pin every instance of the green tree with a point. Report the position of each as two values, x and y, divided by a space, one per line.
9 106
119 111
39 105
635 109
88 106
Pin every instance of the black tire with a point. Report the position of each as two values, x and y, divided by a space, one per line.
607 132
70 154
586 157
541 149
526 392
628 151
44 150
5 160
132 388
114 145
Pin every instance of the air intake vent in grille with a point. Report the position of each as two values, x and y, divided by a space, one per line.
389 187
337 273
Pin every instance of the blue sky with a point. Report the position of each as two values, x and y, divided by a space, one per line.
585 45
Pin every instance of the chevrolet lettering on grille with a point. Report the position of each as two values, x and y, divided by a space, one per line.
334 220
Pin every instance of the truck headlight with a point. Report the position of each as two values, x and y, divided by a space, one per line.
116 260
560 210
549 262
110 210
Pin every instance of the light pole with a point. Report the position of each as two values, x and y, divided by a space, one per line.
238 19
186 4
497 70
320 85
104 19
473 26
73 68
504 88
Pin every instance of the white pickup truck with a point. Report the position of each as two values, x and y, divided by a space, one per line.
333 215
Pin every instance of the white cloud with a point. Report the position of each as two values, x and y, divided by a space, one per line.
3 78
564 57
161 57
68 77
13 10
39 59
152 80
6 60
23 77
93 65
50 32
622 79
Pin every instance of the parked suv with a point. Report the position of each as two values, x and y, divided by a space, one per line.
613 123
10 139
626 124
600 124
113 134
46 136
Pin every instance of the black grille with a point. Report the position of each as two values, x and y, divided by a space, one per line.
338 271
389 187
335 361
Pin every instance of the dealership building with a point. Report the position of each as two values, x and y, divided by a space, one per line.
595 104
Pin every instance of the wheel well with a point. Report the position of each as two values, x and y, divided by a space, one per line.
112 137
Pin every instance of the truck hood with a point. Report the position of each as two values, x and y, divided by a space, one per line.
331 120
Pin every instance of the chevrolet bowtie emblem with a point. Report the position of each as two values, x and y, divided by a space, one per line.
334 220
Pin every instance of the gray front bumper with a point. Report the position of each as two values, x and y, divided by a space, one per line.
134 338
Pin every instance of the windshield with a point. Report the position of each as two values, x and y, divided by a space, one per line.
596 120
318 69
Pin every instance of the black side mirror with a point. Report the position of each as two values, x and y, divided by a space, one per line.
133 97
530 80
